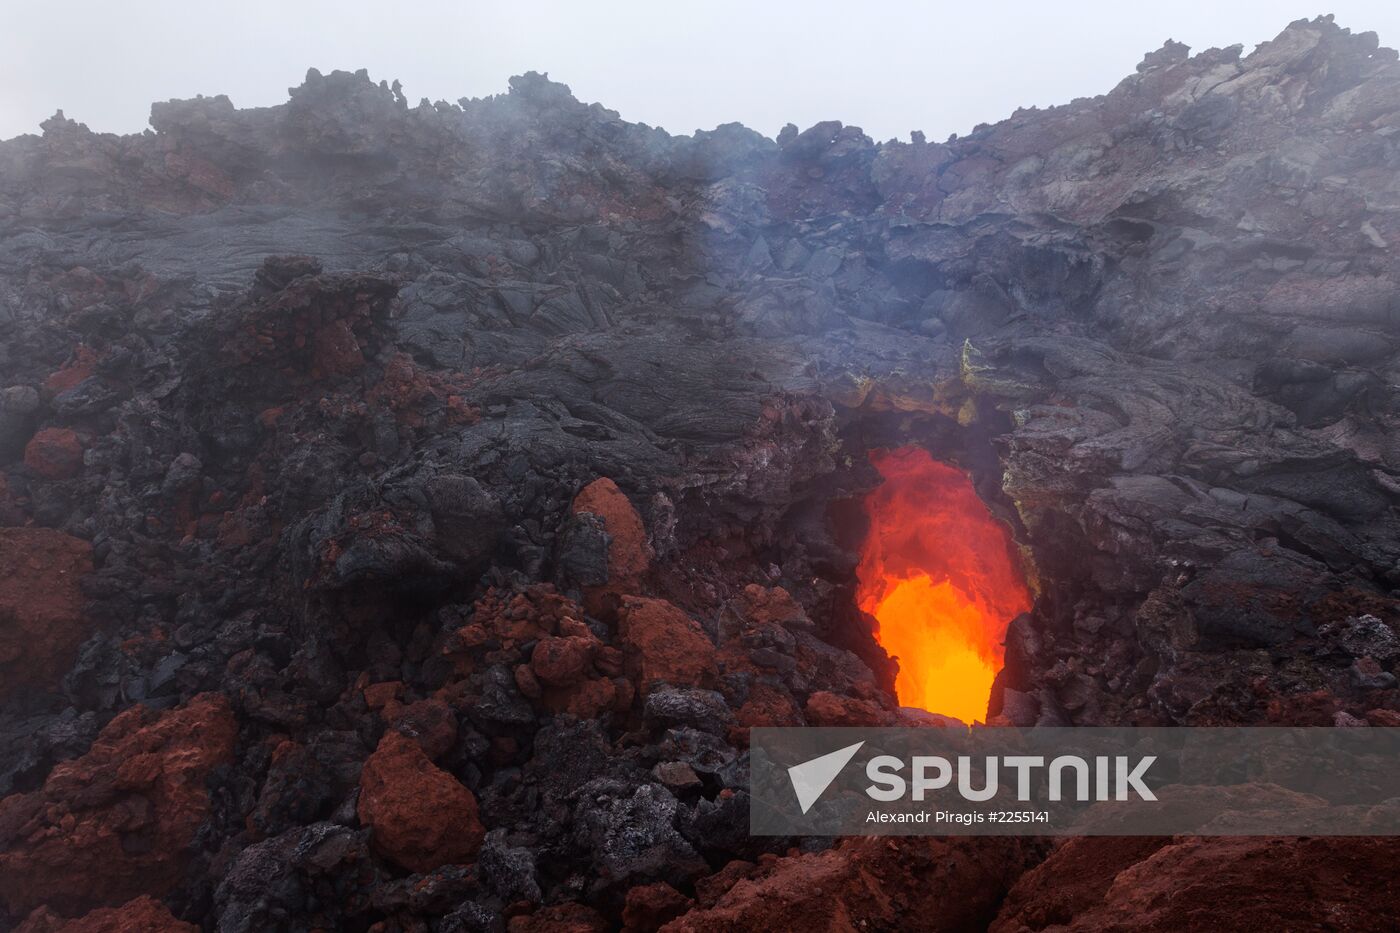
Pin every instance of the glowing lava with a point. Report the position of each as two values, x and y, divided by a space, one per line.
939 574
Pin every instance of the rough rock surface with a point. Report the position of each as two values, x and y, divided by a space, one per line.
520 447
868 883
121 817
418 815
141 915
1181 884
41 605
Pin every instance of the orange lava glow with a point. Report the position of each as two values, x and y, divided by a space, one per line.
939 574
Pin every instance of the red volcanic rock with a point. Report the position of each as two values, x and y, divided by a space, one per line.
54 453
114 823
142 915
335 351
763 605
709 890
765 706
1073 879
829 709
589 699
80 367
560 662
664 645
41 617
514 618
1223 883
1383 717
629 555
421 816
870 883
649 906
379 695
560 918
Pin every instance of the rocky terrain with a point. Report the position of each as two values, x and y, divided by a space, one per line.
405 511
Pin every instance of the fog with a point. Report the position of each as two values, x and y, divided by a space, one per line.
889 67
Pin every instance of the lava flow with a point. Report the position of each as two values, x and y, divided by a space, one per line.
938 573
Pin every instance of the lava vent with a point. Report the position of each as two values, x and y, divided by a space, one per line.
941 577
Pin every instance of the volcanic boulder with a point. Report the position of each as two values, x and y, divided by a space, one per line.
41 618
140 915
54 453
649 906
420 816
663 645
114 824
1155 329
629 555
1243 883
868 883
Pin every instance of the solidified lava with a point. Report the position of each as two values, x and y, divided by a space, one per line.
406 512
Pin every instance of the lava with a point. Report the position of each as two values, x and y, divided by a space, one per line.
939 574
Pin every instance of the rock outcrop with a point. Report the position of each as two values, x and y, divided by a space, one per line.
419 816
1175 884
121 817
406 511
41 606
141 915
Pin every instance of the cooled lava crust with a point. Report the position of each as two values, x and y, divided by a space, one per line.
405 512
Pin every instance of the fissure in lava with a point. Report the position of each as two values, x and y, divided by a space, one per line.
939 574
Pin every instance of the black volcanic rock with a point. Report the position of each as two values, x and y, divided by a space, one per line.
336 370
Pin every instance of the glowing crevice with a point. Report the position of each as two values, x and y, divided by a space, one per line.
939 574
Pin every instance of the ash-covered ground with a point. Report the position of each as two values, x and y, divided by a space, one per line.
405 511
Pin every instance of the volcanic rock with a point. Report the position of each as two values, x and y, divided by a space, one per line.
1223 884
431 723
420 817
349 412
115 823
629 554
54 453
562 662
41 605
828 709
649 906
663 645
140 915
869 883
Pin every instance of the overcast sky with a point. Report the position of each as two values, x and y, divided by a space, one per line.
889 67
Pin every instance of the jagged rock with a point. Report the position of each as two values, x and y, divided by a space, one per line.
509 870
634 838
431 723
41 605
681 706
828 709
317 872
650 906
869 883
55 453
663 645
143 914
18 405
337 403
629 554
1093 883
419 816
116 823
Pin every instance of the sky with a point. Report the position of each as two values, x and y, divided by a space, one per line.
886 66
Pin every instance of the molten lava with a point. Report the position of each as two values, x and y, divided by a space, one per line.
939 574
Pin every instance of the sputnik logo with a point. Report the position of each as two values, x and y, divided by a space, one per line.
810 779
